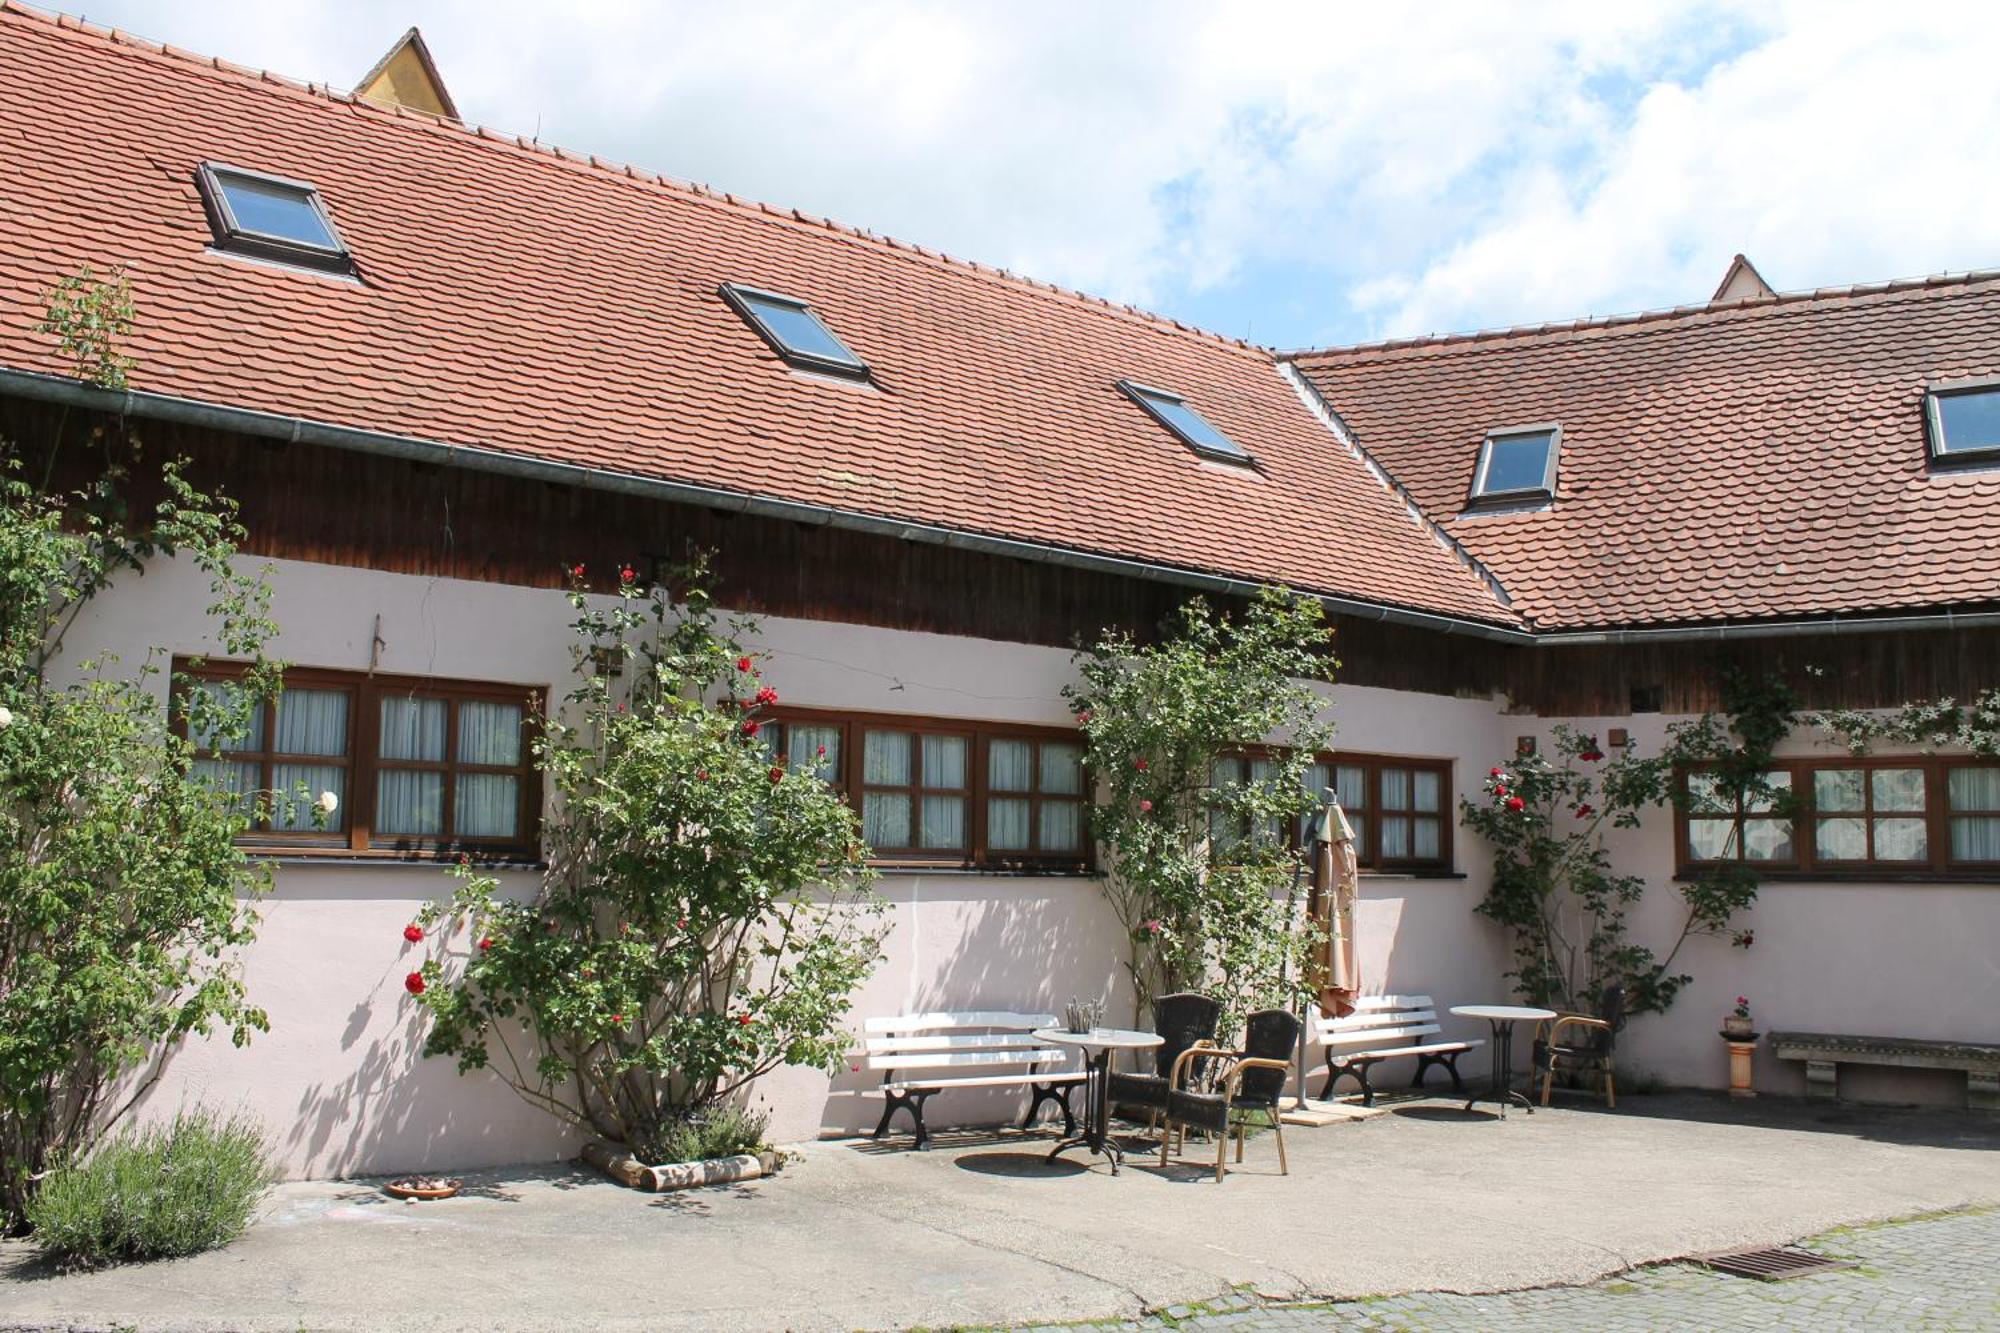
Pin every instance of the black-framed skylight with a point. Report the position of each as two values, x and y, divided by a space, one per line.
1964 421
271 217
1517 466
794 331
1196 431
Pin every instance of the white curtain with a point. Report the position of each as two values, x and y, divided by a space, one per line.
1426 790
1062 769
1426 845
944 762
1395 835
885 760
1975 837
1897 789
312 722
1395 792
885 819
1007 824
413 729
803 745
1839 789
231 778
943 822
489 733
486 805
222 694
1902 840
1842 839
409 802
1010 765
1062 826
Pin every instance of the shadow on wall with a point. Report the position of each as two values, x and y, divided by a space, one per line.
1023 944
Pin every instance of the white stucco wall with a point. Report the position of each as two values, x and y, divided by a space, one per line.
342 1084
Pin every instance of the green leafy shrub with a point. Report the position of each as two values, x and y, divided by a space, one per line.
159 1192
719 1131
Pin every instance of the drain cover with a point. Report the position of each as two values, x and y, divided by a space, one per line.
1771 1265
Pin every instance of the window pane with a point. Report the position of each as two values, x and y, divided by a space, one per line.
413 729
1839 789
1395 838
1974 788
1319 781
1192 426
1779 782
1352 784
1841 840
232 779
1517 463
1426 844
885 759
1767 840
1395 790
1897 789
1975 838
1711 839
275 210
1062 768
1225 772
1007 824
799 330
409 802
1970 420
489 733
814 749
1062 826
1427 790
487 805
312 722
226 694
1902 840
294 788
1705 795
944 762
1010 765
944 822
885 819
1359 823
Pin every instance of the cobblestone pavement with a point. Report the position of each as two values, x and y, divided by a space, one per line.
1940 1272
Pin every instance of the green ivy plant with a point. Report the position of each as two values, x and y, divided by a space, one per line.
122 890
1201 874
1555 887
706 911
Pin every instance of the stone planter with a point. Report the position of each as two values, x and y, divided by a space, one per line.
628 1170
413 1189
1735 1028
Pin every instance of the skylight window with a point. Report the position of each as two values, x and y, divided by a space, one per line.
1965 421
270 217
794 331
1195 430
1517 466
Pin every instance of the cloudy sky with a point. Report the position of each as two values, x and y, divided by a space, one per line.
1296 174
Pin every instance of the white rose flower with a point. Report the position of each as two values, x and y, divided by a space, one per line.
6 718
328 802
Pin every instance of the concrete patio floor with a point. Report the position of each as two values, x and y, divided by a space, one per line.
981 1230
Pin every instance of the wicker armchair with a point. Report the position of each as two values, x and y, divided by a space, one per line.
1578 1043
1216 1091
1185 1021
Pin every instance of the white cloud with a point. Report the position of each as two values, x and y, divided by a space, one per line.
1387 169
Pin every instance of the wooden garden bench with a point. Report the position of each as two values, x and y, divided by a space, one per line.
1385 1027
993 1049
1824 1053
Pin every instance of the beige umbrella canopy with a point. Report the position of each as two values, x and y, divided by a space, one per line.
1336 875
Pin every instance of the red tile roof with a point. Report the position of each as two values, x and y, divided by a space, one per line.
1763 459
532 302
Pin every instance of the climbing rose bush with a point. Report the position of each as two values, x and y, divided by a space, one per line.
706 912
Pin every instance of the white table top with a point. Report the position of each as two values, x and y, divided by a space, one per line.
1101 1039
1498 1013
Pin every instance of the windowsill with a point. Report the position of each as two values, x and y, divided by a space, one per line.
1072 871
342 856
1970 878
1413 874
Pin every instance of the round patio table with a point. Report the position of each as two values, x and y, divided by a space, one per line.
1097 1046
1502 1017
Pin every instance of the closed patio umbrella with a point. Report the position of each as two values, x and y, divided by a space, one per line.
1336 881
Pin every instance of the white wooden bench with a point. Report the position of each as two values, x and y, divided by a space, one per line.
1384 1027
1825 1052
994 1049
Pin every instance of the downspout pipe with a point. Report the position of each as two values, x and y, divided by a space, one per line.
65 391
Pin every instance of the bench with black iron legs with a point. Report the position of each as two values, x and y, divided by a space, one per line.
1384 1027
966 1050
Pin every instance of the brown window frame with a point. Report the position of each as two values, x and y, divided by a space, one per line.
1939 866
1368 847
979 736
363 764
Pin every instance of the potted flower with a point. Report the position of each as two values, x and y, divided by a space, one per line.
1736 1026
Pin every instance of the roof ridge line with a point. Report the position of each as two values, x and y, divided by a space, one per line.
1746 305
625 171
1316 403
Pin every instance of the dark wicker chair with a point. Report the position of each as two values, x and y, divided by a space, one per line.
1185 1020
1221 1090
1583 1043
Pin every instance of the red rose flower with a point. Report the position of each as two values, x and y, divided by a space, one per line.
1083 717
618 1018
742 664
413 932
1500 790
701 775
626 575
1495 773
1516 804
464 859
485 943
1140 764
744 1020
1585 810
1145 807
777 774
752 727
578 571
767 696
820 753
414 983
